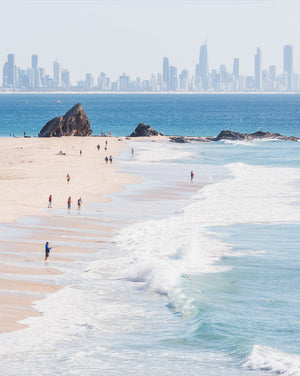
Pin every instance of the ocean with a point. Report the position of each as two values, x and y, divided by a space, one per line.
197 280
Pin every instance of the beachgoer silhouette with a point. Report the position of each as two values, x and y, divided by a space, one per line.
110 159
68 178
192 175
50 202
79 202
69 202
80 153
106 159
98 147
47 250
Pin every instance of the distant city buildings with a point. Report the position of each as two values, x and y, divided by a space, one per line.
169 79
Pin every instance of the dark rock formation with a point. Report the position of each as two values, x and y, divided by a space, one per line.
144 130
234 136
179 139
229 135
73 123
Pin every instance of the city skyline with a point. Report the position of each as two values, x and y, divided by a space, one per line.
132 36
203 79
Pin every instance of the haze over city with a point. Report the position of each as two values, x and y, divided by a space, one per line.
134 36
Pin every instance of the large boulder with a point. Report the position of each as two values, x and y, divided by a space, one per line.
73 123
144 130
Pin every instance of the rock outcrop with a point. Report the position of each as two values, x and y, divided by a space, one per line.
144 130
73 123
235 136
229 135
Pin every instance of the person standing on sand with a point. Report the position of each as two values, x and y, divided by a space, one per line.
50 202
110 159
132 151
47 251
80 153
69 202
106 159
79 202
68 178
98 147
192 175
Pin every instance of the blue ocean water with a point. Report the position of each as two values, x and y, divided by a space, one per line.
202 282
190 115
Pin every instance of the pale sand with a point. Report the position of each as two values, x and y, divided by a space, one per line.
31 170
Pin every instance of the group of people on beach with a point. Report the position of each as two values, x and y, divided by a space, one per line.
69 201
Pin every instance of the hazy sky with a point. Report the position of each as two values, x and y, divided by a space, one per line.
133 36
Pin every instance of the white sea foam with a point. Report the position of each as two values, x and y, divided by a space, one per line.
157 253
275 361
163 151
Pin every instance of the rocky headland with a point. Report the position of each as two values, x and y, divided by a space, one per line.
73 123
235 136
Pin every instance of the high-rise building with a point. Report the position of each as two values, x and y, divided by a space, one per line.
173 78
11 71
257 69
124 82
272 72
184 80
236 67
288 65
89 81
203 66
166 74
34 76
56 74
65 79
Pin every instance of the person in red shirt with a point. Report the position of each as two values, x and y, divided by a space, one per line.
50 202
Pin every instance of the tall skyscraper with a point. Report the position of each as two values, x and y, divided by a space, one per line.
166 74
34 71
257 70
11 71
56 74
173 78
236 67
272 72
34 61
203 66
288 65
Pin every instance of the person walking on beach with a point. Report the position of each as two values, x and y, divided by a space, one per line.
68 178
79 202
69 202
98 147
47 251
106 159
132 151
50 202
192 175
80 153
110 159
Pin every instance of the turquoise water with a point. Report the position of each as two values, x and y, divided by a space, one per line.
202 283
194 115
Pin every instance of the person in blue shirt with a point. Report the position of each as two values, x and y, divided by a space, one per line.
47 250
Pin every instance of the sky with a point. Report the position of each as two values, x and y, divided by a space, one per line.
133 36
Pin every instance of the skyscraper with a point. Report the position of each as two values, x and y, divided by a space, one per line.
257 69
166 73
236 67
203 66
34 71
173 78
272 72
56 74
288 65
11 70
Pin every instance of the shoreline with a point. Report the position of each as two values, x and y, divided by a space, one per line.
154 92
22 265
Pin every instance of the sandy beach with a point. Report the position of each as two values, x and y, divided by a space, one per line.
31 170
